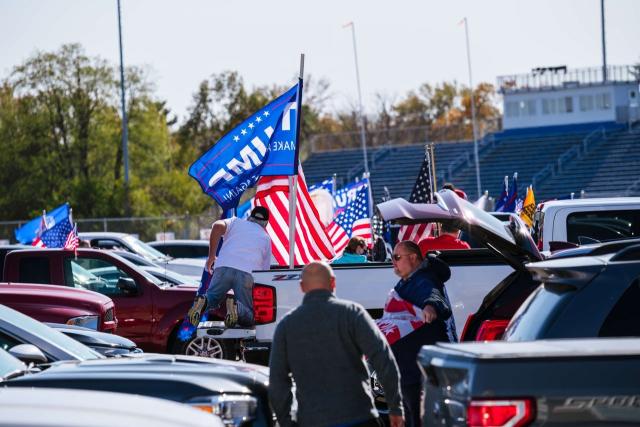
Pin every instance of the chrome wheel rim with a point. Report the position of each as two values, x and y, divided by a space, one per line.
205 347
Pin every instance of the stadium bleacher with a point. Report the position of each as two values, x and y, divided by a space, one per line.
610 166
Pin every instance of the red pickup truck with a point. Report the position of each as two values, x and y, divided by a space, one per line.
149 311
60 304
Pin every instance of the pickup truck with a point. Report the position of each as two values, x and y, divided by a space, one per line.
581 221
150 311
60 304
549 382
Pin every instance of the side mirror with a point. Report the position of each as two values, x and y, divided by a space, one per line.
128 286
28 353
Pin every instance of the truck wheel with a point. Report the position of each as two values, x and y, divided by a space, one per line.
211 347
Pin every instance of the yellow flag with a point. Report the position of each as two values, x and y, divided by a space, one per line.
528 207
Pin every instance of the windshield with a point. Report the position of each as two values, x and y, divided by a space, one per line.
43 332
9 364
143 249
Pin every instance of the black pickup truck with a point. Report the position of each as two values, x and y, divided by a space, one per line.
569 382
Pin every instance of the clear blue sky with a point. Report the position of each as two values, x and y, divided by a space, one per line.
401 44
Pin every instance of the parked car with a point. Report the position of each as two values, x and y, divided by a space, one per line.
236 391
127 242
61 304
588 296
182 248
123 241
150 311
110 345
83 408
568 382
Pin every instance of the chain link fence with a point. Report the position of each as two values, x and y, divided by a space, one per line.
146 228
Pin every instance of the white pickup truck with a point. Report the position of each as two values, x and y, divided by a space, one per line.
581 221
485 289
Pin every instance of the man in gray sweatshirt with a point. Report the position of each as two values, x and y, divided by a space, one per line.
320 345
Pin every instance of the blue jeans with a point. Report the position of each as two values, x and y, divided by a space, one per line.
226 278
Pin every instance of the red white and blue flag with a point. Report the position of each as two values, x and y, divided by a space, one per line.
311 241
353 220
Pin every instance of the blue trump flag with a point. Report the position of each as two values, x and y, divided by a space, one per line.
263 145
34 228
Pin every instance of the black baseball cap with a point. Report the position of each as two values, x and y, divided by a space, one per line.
261 213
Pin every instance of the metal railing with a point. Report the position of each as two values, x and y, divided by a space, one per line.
562 77
146 228
575 152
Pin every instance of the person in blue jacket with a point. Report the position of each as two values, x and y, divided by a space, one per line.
354 253
422 284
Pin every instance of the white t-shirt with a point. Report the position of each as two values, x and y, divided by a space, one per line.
246 246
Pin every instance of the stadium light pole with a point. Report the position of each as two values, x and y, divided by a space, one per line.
125 133
473 112
363 137
604 45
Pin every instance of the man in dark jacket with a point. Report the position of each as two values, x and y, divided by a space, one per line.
421 284
320 345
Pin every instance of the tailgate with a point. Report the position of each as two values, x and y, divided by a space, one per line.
546 386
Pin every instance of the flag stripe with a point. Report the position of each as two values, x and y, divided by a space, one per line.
311 240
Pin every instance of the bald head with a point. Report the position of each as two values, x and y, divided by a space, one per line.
317 275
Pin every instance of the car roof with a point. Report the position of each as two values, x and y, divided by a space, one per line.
102 234
60 407
593 202
180 242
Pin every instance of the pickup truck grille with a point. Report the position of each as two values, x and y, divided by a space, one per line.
108 316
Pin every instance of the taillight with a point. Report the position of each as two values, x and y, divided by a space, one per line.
264 304
466 327
499 413
491 330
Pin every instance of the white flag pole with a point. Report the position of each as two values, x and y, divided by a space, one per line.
293 179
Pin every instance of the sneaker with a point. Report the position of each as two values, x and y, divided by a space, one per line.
196 310
231 319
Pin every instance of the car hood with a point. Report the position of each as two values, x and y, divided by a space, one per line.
511 241
231 377
90 337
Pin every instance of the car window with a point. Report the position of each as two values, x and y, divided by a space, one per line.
107 244
602 226
624 318
143 249
34 270
6 341
95 275
9 364
533 316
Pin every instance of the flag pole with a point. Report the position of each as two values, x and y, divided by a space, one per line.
293 179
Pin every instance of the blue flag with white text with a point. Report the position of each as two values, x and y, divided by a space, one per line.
263 145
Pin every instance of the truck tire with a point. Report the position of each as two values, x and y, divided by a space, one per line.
210 347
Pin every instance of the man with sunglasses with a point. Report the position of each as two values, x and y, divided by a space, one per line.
416 314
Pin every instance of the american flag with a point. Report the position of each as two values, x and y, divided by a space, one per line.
57 236
422 193
72 241
352 221
312 242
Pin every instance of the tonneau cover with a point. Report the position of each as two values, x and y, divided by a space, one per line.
535 349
